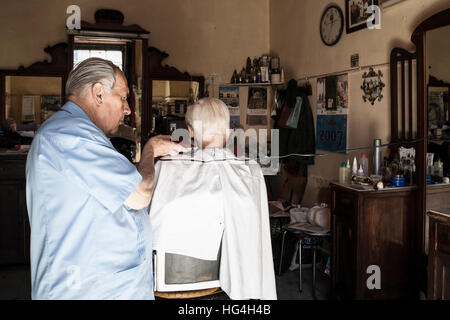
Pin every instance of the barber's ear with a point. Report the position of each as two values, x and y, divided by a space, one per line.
98 92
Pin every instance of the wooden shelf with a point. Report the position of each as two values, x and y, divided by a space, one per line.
262 84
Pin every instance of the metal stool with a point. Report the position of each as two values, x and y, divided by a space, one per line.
301 235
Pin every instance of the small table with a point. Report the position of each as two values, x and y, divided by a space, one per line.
301 235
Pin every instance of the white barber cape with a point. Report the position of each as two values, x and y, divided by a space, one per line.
216 198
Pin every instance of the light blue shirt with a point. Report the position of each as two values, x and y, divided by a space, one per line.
85 244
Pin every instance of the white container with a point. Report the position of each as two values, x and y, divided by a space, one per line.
354 167
343 173
439 168
316 210
298 215
322 218
276 78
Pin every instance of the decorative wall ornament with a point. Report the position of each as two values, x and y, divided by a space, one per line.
372 86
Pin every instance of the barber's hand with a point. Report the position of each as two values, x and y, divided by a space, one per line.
163 146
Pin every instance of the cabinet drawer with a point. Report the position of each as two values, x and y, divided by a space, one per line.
345 203
443 236
12 170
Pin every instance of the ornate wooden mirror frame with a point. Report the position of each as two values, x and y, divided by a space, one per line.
57 67
403 130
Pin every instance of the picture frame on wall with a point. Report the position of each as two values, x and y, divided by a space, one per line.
356 14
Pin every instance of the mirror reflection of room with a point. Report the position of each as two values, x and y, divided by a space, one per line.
29 101
438 76
170 100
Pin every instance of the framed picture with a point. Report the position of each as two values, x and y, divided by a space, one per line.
356 14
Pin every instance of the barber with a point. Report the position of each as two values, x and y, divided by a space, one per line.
90 231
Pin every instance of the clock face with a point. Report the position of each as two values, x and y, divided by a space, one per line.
331 25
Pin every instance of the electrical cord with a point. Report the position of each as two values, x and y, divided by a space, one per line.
291 154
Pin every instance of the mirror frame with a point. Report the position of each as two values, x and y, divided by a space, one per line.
438 20
56 68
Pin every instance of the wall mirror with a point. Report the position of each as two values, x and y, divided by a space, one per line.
419 80
432 42
171 92
31 99
30 95
170 99
438 89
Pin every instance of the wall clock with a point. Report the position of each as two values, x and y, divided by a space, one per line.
331 25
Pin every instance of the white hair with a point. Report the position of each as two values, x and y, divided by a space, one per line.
209 117
89 72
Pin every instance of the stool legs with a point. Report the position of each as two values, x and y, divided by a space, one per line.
300 263
314 273
281 254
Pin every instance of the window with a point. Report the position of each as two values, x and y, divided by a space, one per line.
116 52
115 56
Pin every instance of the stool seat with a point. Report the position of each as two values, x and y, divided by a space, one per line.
187 294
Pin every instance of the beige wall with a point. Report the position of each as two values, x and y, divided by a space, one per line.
294 36
201 36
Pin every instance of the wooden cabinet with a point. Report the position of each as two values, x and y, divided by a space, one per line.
14 224
372 228
437 197
439 255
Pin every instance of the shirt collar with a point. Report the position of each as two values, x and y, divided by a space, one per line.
76 110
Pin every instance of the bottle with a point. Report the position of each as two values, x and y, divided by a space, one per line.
259 76
349 171
360 171
377 157
343 173
439 168
354 167
248 66
364 164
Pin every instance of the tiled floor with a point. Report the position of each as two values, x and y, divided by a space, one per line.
15 284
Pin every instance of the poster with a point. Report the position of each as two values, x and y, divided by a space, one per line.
332 95
28 108
257 106
332 132
230 96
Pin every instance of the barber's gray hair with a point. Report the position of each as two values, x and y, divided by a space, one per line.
89 72
208 117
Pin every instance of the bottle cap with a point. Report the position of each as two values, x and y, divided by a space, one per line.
364 155
343 164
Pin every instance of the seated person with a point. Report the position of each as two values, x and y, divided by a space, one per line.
209 198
